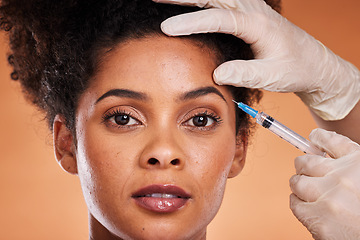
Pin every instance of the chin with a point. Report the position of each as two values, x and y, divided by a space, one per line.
163 229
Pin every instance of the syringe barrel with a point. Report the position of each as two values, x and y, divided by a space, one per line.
287 134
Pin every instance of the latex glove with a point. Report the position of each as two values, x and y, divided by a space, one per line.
326 191
287 59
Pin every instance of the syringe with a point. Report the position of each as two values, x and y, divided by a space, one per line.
281 130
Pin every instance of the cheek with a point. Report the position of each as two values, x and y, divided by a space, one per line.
214 159
214 156
104 168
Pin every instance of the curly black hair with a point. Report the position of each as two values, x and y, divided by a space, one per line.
56 46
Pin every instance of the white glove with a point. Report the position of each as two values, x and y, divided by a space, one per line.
326 191
287 59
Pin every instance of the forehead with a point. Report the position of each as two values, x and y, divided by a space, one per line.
157 64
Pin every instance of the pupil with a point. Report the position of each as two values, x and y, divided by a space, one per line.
122 119
200 121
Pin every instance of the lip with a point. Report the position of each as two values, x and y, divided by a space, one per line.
165 198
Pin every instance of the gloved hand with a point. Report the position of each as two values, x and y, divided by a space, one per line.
326 191
287 59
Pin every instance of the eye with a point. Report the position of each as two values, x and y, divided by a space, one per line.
118 118
203 121
123 119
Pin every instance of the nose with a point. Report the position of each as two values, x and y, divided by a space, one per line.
161 152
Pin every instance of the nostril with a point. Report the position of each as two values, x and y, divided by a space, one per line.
175 162
153 161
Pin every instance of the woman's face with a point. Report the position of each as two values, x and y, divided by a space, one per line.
156 140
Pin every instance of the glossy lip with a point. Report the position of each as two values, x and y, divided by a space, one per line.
159 204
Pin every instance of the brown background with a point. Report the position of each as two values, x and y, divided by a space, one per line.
40 201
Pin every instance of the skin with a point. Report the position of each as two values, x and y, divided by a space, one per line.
113 161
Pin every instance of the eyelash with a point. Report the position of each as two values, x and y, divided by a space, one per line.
118 112
217 121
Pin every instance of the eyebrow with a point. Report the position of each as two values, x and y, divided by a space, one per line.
201 92
124 93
